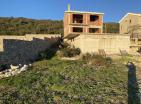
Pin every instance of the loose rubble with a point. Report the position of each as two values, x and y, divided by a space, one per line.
14 70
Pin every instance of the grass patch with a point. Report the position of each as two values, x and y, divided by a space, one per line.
73 82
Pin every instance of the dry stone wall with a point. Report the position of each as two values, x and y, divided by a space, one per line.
24 49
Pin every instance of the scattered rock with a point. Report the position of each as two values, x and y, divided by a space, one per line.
99 98
14 70
24 68
14 67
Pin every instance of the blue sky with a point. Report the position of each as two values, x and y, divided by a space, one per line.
54 9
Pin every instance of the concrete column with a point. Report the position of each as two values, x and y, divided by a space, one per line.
69 16
136 41
86 19
102 25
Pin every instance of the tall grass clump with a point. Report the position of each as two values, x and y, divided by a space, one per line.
97 60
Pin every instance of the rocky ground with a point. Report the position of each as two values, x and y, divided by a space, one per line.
13 70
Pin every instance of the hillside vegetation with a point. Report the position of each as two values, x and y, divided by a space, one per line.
22 26
111 27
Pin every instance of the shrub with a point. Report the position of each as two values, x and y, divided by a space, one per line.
109 60
86 56
70 52
67 51
48 54
139 50
64 45
96 60
3 67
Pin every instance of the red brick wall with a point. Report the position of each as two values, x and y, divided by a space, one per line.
66 24
84 19
84 29
97 23
68 20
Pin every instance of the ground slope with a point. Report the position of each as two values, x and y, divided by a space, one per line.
66 82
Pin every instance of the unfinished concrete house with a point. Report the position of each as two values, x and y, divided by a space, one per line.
85 31
131 24
78 22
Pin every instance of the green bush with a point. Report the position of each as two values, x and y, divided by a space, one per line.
3 67
67 51
64 45
139 50
48 54
86 56
109 60
70 52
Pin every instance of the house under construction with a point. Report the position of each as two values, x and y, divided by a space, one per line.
85 31
78 22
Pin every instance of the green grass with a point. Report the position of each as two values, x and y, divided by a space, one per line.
66 82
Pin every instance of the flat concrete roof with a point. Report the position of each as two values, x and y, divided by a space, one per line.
84 12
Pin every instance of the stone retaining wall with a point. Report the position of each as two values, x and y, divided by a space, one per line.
24 49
